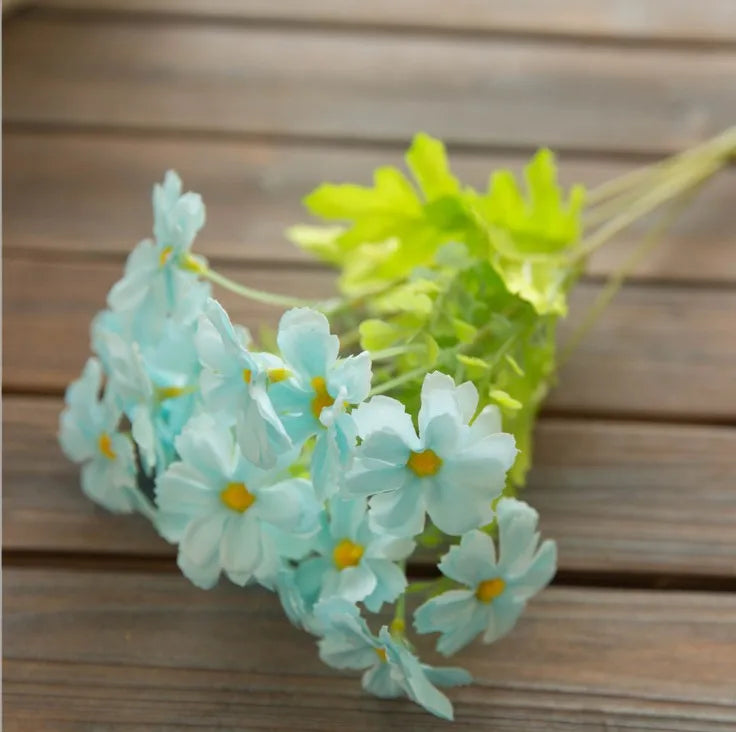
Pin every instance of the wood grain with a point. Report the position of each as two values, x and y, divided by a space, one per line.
676 20
126 649
617 497
311 83
80 193
657 351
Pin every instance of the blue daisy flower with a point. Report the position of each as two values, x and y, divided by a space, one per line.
160 276
391 669
235 382
218 507
88 434
496 591
452 470
355 563
154 383
313 399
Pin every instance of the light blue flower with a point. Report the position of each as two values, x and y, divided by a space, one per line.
354 563
497 591
452 471
235 381
391 669
219 506
88 434
312 401
160 276
154 383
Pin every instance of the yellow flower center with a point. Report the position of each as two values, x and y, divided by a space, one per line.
276 375
321 398
237 497
381 653
347 554
424 463
104 445
247 375
170 392
489 590
164 256
192 264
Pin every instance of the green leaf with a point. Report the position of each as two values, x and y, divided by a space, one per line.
504 400
391 194
433 350
319 240
465 332
476 368
427 161
514 364
375 335
413 297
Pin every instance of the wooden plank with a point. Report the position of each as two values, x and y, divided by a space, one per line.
71 192
616 497
660 351
84 649
676 20
382 86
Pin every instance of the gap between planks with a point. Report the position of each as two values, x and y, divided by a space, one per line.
655 351
328 86
124 647
621 22
618 498
415 570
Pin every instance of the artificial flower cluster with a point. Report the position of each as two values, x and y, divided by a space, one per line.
294 469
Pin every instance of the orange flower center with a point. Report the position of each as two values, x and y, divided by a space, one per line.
104 445
321 398
424 463
237 497
164 256
489 590
381 653
347 554
247 375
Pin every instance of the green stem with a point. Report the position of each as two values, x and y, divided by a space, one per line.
269 298
398 624
663 193
394 351
647 245
721 146
398 380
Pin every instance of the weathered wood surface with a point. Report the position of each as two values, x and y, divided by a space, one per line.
656 350
159 651
80 193
254 102
319 84
613 495
650 20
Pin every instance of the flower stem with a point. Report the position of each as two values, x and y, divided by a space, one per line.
671 188
647 245
269 298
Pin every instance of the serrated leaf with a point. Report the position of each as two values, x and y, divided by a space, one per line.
392 194
319 240
427 161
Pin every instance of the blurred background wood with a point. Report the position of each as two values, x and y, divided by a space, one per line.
255 102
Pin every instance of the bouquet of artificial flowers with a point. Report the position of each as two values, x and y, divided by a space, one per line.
395 416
